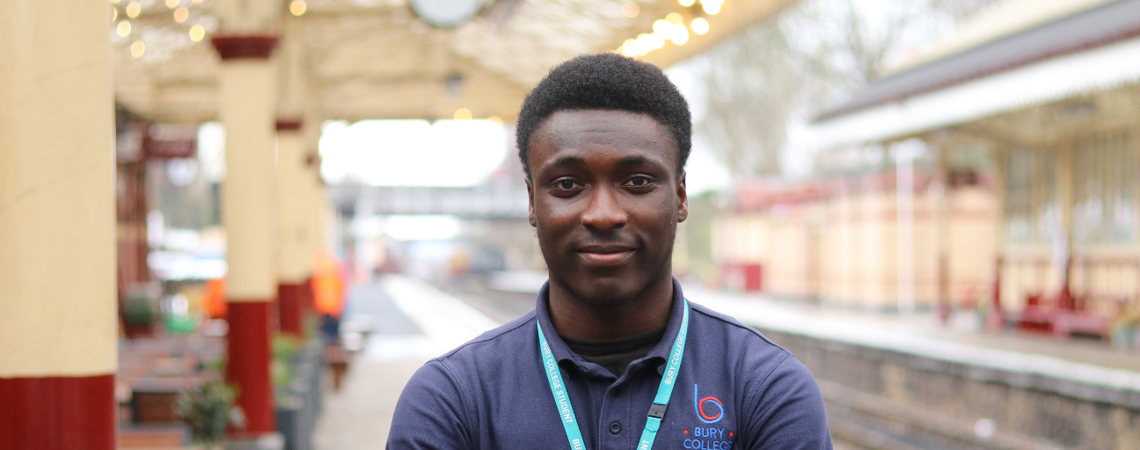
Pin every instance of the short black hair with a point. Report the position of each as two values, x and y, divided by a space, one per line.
607 81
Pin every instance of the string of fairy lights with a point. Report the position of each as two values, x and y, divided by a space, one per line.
672 27
153 30
172 25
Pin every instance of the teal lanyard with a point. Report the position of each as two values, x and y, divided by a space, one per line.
656 410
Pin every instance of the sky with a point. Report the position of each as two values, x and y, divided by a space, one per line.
452 153
449 153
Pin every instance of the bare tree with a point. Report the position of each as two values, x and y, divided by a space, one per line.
810 57
751 92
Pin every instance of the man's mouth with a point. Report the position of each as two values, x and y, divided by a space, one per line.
606 254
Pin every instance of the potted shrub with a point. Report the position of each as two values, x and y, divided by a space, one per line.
207 411
139 314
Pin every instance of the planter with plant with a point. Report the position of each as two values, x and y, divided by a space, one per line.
208 410
139 314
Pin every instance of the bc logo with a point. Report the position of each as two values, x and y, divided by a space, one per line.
699 404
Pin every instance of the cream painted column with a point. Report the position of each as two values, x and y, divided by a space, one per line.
58 327
247 93
315 200
295 257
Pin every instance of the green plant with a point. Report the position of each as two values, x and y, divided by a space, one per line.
139 309
281 368
207 410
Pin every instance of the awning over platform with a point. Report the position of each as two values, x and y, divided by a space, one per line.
1086 52
375 59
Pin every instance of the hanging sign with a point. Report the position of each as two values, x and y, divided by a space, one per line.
168 141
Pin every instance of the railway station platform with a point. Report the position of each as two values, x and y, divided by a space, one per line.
881 374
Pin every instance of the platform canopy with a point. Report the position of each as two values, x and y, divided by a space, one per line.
377 59
1016 56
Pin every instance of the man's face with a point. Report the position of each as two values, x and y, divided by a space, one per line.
605 197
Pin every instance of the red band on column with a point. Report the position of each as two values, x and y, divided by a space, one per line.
290 301
247 368
289 124
53 413
310 307
244 46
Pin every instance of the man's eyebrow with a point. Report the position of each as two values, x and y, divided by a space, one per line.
567 160
635 160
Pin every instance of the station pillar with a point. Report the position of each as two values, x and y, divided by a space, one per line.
313 203
58 326
294 258
246 108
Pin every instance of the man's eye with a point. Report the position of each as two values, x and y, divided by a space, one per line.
565 184
639 181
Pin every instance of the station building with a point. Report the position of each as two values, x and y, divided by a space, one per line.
1048 95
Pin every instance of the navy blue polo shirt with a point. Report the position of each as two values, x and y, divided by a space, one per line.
736 390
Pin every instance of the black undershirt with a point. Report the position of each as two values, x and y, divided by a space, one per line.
615 355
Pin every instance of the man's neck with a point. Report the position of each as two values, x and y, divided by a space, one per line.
579 318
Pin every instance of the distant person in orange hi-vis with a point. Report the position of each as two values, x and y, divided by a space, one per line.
328 292
215 298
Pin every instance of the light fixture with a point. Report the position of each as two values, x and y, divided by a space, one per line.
700 25
133 9
630 9
181 14
197 32
687 3
116 1
712 6
138 48
674 18
680 35
172 4
649 42
463 114
124 28
643 44
114 14
298 7
661 27
629 48
446 13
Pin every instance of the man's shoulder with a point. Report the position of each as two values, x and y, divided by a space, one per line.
734 331
510 335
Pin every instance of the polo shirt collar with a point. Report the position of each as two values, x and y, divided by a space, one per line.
562 352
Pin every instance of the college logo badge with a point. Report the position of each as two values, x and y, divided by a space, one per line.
709 409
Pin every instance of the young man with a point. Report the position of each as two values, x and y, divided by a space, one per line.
613 356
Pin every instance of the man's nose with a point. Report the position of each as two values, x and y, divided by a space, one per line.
603 211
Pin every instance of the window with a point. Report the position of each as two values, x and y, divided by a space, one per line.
1104 210
1031 213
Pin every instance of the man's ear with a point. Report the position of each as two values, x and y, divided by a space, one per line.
530 217
682 199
